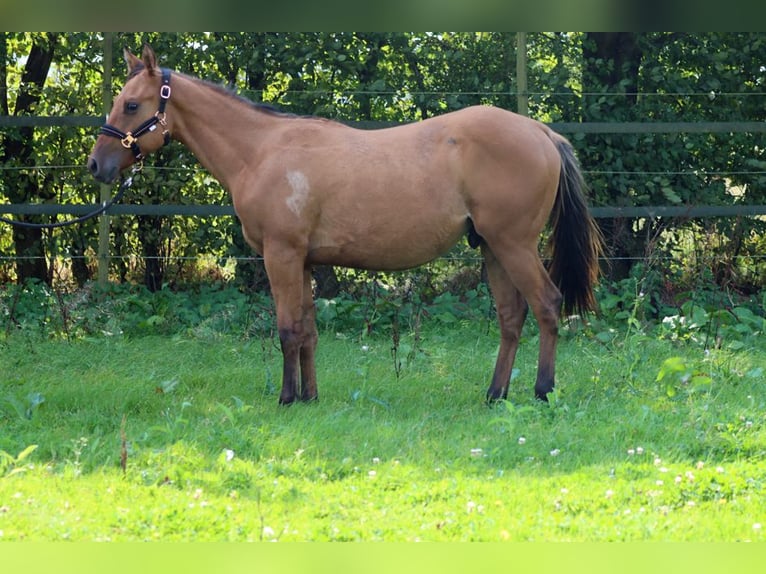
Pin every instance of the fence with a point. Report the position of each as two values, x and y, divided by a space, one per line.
561 127
569 128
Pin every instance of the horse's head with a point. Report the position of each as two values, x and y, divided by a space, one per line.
137 124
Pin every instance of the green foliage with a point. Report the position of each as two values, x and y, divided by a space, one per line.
212 310
397 77
10 465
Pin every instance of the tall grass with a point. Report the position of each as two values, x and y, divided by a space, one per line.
649 436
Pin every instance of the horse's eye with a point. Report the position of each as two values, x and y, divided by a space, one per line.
131 107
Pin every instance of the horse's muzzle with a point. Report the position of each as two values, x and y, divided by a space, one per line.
105 172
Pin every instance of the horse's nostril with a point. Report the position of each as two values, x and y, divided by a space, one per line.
93 166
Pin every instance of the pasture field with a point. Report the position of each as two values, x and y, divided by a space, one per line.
650 436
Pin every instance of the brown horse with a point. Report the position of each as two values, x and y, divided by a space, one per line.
313 191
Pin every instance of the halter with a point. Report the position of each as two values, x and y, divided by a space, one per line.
129 140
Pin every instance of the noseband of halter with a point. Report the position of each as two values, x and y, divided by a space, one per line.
129 140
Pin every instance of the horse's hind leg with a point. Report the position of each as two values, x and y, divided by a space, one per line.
523 266
511 313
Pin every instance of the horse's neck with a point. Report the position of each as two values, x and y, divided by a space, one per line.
222 132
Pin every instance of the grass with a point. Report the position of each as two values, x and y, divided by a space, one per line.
181 438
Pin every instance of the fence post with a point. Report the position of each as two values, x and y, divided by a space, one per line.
522 97
106 190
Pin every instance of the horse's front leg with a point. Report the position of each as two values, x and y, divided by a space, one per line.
308 391
286 276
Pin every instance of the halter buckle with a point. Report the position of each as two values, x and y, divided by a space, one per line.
128 141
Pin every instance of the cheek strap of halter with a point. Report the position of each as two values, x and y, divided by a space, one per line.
129 140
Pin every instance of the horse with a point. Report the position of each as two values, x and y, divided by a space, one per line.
312 191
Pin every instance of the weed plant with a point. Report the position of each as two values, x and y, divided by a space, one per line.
131 416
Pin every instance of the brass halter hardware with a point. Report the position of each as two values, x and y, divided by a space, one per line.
129 140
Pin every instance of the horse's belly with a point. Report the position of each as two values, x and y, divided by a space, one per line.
387 247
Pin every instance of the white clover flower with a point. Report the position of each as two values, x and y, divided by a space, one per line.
555 452
522 440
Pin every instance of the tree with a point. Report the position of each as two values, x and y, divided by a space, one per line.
392 77
611 62
18 149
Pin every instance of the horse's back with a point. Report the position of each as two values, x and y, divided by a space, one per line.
397 197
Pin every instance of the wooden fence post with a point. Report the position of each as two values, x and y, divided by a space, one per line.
522 95
106 190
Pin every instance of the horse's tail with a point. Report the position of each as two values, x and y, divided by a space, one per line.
575 244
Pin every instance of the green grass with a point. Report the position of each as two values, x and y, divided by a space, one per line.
616 455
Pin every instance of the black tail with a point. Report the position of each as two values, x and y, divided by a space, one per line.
575 243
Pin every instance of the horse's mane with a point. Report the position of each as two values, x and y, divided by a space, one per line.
265 107
230 93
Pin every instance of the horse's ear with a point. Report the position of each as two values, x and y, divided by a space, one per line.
150 60
130 60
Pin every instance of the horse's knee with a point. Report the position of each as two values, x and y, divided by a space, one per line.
290 339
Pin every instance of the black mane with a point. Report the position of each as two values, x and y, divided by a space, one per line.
265 107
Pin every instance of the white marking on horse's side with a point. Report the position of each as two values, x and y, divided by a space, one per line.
300 186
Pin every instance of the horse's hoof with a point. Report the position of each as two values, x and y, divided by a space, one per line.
494 397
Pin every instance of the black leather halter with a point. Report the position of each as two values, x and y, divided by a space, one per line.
129 140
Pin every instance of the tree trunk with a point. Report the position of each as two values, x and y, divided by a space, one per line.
150 236
80 269
17 149
611 62
327 284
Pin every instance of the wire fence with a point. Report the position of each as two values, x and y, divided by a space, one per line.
209 210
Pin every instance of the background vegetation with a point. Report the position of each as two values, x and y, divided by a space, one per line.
395 77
